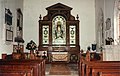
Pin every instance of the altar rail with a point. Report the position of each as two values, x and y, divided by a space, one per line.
22 67
88 67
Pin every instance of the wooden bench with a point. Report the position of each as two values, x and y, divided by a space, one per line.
17 72
98 67
38 65
88 56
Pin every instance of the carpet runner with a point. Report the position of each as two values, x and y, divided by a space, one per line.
59 69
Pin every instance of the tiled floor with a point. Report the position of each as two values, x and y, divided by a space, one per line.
73 68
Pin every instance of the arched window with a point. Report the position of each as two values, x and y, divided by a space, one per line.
59 30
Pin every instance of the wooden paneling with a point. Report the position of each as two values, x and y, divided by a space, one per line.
88 67
25 67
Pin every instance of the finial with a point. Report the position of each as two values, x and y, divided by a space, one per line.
40 17
77 17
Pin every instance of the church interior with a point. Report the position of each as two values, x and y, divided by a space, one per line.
59 38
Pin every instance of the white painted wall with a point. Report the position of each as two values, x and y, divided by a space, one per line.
7 47
84 8
0 23
99 9
107 6
110 52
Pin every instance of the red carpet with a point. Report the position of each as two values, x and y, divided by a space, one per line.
59 69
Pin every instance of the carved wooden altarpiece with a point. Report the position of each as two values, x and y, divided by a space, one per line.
59 32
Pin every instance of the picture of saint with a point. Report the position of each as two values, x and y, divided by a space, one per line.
58 31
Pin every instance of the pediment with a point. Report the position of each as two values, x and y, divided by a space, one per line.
59 6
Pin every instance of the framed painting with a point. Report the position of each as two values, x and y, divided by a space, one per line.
9 35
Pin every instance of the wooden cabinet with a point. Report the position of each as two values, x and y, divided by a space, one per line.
59 31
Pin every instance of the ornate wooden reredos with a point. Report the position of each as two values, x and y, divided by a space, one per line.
59 31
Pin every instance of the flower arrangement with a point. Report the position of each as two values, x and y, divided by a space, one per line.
31 45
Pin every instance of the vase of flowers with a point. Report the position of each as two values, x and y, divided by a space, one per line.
31 46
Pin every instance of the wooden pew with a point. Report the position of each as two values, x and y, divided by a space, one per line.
17 69
106 71
17 72
88 56
38 65
98 67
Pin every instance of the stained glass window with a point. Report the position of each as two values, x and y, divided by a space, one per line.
45 34
72 34
58 30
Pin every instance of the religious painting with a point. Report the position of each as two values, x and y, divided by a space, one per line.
58 30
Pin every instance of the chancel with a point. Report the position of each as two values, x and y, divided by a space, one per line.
65 37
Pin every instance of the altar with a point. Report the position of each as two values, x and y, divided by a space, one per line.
59 34
59 56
